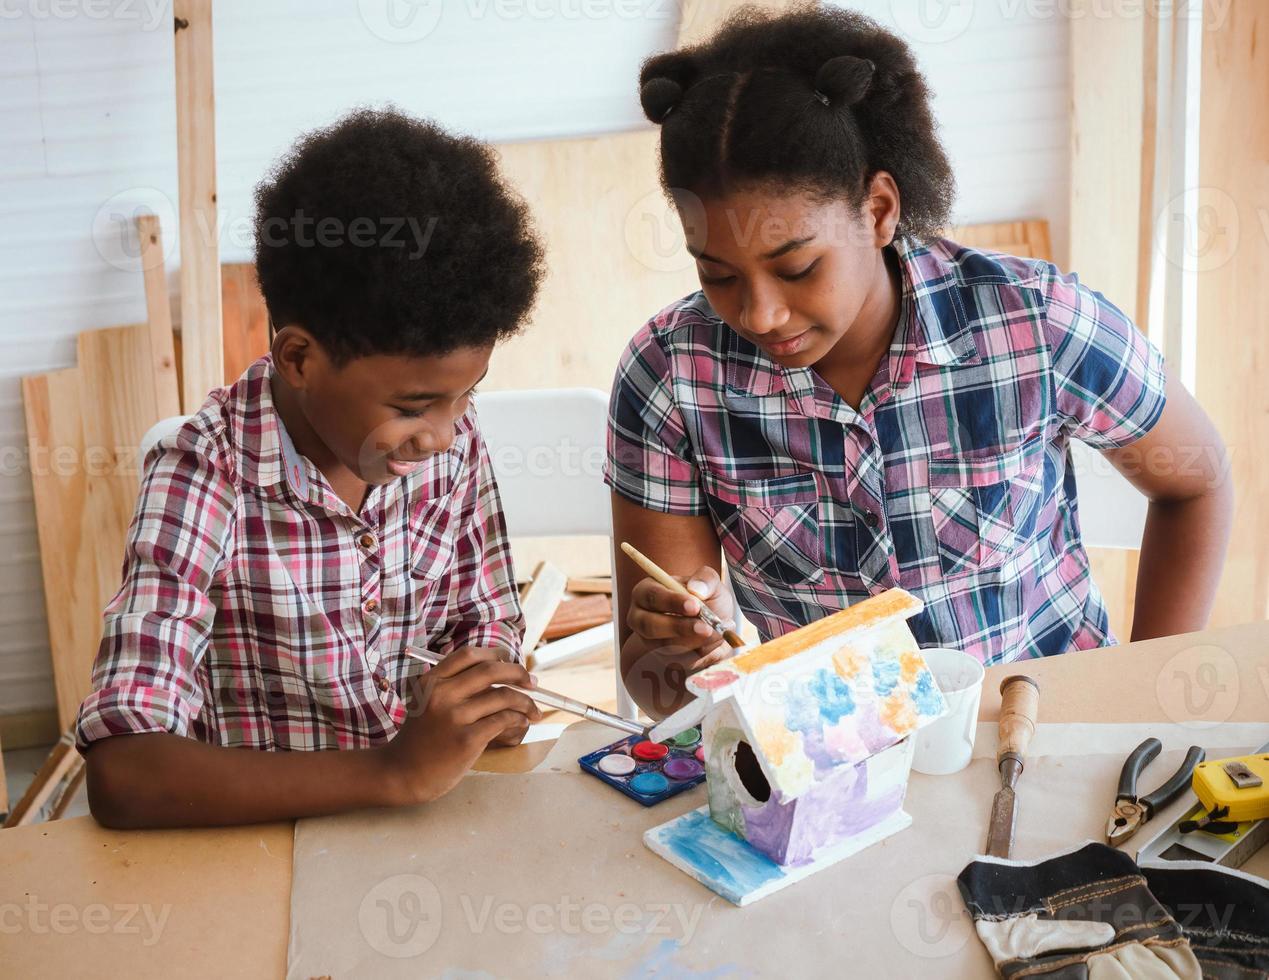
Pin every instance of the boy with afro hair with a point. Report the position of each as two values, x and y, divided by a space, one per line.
330 509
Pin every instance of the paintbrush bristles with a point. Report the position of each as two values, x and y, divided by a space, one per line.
733 639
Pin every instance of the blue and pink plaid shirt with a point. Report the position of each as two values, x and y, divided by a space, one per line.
258 610
952 480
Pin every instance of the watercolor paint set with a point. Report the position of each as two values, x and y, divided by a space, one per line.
649 772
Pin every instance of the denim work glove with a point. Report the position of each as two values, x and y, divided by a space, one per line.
1084 915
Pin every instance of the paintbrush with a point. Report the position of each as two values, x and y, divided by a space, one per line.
552 700
662 577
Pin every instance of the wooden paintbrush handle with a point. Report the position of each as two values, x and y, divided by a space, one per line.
655 571
1019 708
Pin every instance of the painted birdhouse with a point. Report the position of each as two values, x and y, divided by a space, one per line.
806 747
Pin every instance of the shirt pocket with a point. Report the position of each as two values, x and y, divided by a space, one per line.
769 526
983 506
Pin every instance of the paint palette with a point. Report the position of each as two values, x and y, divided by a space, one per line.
649 772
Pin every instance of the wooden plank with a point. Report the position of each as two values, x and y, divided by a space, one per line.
68 556
29 729
575 615
60 762
202 350
540 601
158 315
118 395
588 586
616 251
598 639
1115 572
1108 72
245 319
1230 258
71 782
84 426
1029 238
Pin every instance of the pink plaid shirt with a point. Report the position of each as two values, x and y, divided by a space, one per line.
258 610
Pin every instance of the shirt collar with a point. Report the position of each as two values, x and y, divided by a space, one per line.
269 456
940 333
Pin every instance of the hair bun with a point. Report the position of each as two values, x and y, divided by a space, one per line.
658 96
844 80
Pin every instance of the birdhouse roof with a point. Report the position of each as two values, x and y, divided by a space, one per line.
829 694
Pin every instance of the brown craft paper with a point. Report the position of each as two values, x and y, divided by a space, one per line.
546 873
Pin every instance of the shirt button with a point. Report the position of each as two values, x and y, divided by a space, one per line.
871 518
383 683
371 606
367 541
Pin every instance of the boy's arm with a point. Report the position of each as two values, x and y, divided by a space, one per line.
142 769
166 780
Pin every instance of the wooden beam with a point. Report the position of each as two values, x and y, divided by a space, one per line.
244 319
575 615
61 762
540 600
201 346
1229 254
158 315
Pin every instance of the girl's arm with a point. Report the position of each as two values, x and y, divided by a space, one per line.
661 639
1181 465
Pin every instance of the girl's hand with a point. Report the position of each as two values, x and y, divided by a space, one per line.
667 621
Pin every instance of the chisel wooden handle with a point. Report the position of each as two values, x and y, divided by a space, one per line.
1019 708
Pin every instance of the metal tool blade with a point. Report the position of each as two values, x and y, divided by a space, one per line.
1003 814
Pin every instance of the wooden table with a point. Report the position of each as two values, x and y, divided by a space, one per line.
79 900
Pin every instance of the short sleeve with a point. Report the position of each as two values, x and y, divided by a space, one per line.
158 626
1109 380
649 454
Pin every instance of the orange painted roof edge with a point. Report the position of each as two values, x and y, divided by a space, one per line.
873 611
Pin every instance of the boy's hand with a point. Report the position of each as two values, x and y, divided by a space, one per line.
455 713
667 623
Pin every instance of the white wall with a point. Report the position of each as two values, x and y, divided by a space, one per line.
87 137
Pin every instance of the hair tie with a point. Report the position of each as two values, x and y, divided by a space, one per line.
822 97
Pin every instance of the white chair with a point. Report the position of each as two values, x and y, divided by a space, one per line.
164 427
1112 510
548 448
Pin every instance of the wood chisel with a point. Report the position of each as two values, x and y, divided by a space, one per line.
1019 707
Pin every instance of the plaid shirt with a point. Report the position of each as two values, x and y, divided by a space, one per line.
952 480
258 610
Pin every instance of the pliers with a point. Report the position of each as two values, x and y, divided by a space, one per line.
1132 811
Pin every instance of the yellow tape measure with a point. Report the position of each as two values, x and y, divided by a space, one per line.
1241 784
